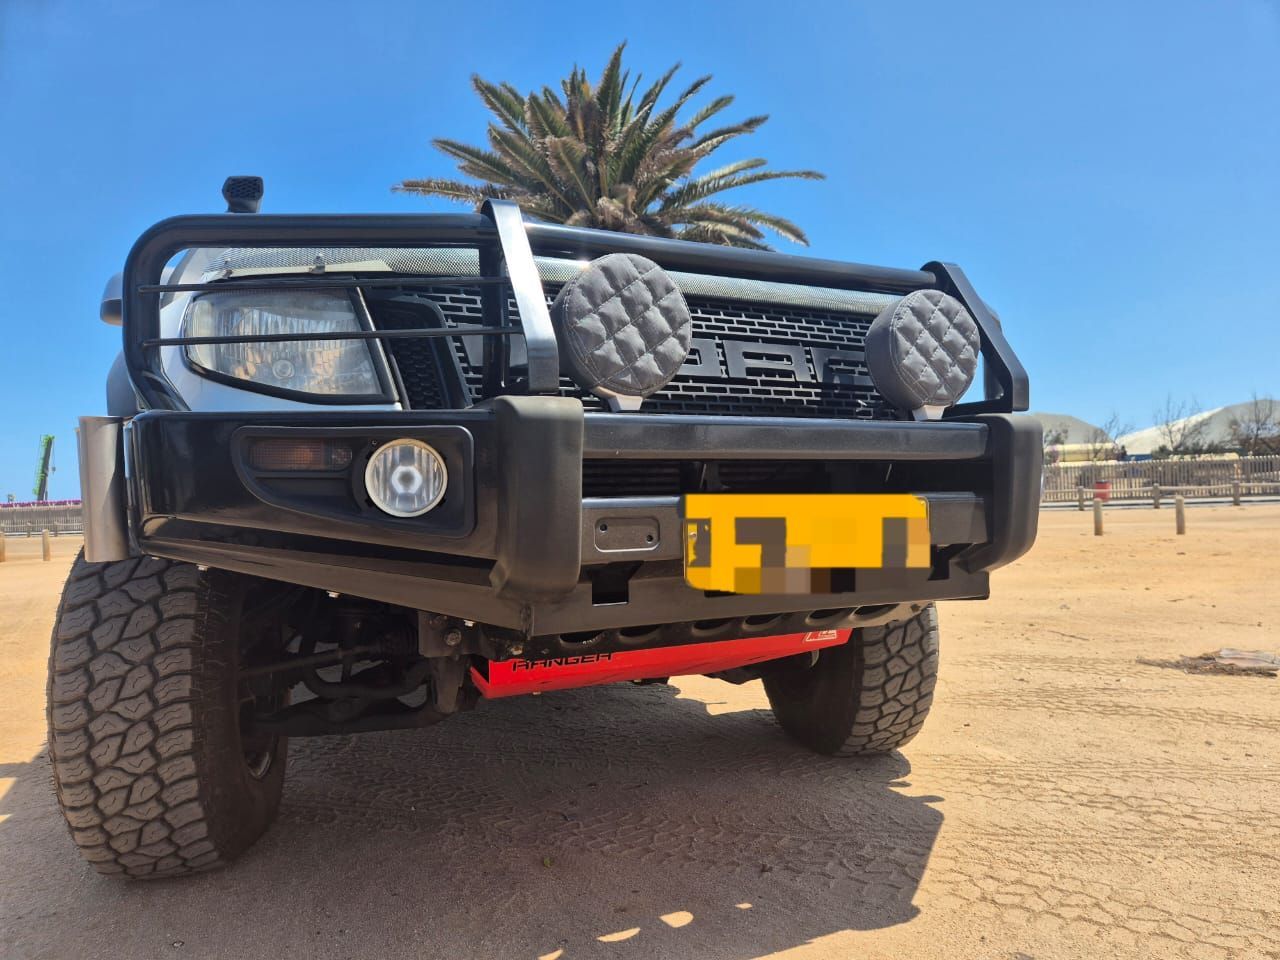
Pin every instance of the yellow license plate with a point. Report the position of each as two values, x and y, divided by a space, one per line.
799 543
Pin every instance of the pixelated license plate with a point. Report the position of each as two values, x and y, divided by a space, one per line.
799 543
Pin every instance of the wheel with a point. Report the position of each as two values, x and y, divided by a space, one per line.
867 696
149 765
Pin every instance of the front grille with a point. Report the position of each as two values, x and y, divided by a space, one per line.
417 361
644 478
749 359
632 478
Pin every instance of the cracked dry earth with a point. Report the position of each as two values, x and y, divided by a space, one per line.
1062 801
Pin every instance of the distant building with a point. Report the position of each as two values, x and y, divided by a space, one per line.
1072 430
1069 439
1215 429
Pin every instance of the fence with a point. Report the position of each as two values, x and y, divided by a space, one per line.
1134 479
1129 480
28 519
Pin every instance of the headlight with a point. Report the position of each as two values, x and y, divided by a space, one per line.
328 367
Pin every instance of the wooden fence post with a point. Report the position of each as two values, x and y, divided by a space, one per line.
1235 493
1097 518
46 548
1155 495
1 546
1180 514
1080 498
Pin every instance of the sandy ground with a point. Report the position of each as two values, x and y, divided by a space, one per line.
1063 800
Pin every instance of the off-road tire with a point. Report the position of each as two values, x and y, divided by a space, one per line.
870 695
144 729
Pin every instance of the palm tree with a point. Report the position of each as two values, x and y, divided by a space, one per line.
602 157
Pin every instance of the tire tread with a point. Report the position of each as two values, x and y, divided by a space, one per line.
870 696
125 673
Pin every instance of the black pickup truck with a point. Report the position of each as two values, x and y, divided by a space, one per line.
362 472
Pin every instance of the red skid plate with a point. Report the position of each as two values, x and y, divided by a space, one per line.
508 678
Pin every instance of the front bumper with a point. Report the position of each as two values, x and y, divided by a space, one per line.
521 547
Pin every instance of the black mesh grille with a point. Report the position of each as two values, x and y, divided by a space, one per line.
242 188
631 478
638 478
416 360
820 372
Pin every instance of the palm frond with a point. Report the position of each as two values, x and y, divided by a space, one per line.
713 183
720 135
452 189
503 100
615 155
710 110
477 162
609 89
725 234
566 156
717 212
649 99
544 117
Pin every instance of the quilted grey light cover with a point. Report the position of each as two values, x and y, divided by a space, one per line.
623 327
923 350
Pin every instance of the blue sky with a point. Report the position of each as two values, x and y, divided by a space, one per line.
1106 173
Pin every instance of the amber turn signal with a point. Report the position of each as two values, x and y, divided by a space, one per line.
287 454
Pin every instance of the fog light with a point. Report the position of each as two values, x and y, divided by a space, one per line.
405 478
922 352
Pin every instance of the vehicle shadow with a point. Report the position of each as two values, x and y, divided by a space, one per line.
619 820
